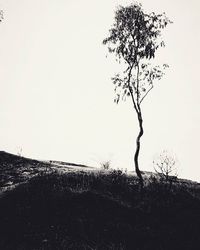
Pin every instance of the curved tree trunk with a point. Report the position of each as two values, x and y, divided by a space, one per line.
141 132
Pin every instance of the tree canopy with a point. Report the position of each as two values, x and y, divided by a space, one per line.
134 39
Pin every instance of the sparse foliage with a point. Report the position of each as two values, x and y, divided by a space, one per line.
134 40
165 166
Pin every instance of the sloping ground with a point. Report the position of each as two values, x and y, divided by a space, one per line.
89 211
53 210
16 169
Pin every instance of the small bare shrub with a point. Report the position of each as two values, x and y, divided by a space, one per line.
105 165
165 166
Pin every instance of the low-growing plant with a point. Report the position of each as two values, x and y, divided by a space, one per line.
105 165
165 166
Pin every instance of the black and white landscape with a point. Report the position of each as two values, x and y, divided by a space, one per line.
99 111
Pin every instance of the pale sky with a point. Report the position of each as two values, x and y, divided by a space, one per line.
56 98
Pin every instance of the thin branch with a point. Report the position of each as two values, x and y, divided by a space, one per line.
137 87
130 89
146 93
132 97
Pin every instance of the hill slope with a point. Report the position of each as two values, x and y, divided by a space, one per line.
98 210
16 169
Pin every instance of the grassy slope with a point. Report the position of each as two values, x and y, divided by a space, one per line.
85 210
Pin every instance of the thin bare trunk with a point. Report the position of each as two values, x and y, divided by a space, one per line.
137 170
136 104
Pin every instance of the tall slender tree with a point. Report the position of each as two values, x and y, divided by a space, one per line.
134 39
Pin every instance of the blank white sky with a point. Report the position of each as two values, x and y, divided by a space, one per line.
56 98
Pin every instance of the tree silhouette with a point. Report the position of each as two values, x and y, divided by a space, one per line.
134 39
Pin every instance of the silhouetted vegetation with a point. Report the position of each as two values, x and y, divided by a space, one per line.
16 169
99 210
165 166
134 39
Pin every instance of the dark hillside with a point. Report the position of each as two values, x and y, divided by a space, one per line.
98 210
16 169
